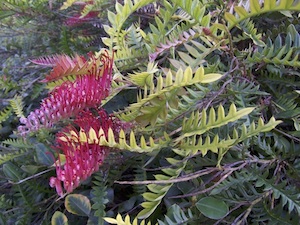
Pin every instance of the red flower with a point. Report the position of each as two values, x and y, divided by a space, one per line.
78 19
83 154
70 98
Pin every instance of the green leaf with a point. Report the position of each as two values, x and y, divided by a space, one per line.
196 125
153 104
254 6
59 218
110 220
126 221
5 113
111 16
212 208
149 208
12 171
286 13
17 104
241 11
229 17
288 113
11 155
192 145
44 155
78 204
4 14
67 4
31 169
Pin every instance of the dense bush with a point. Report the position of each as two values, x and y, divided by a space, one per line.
170 112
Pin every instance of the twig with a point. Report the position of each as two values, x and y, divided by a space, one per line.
224 177
246 213
174 180
229 212
287 135
228 168
33 176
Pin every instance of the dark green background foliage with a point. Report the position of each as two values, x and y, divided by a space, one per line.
226 143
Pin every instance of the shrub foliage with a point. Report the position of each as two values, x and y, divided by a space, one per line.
196 122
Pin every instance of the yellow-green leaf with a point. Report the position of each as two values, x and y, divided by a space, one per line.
59 218
78 204
254 6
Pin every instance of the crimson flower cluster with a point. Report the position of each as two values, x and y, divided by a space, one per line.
82 153
70 98
78 19
79 150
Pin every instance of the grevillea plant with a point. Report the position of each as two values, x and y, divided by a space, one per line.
90 87
81 152
187 114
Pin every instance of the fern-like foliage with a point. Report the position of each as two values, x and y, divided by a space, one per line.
196 9
64 66
278 53
250 31
163 26
67 4
204 47
186 36
18 143
131 53
254 129
244 93
190 146
176 215
212 98
6 84
255 8
135 146
123 12
182 32
119 220
5 113
99 198
5 157
140 175
27 193
276 217
286 198
195 126
158 191
14 108
16 148
152 102
17 105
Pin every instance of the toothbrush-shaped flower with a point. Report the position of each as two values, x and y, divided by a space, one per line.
82 153
70 98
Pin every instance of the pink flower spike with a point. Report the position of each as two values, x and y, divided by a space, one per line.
71 97
83 154
54 182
